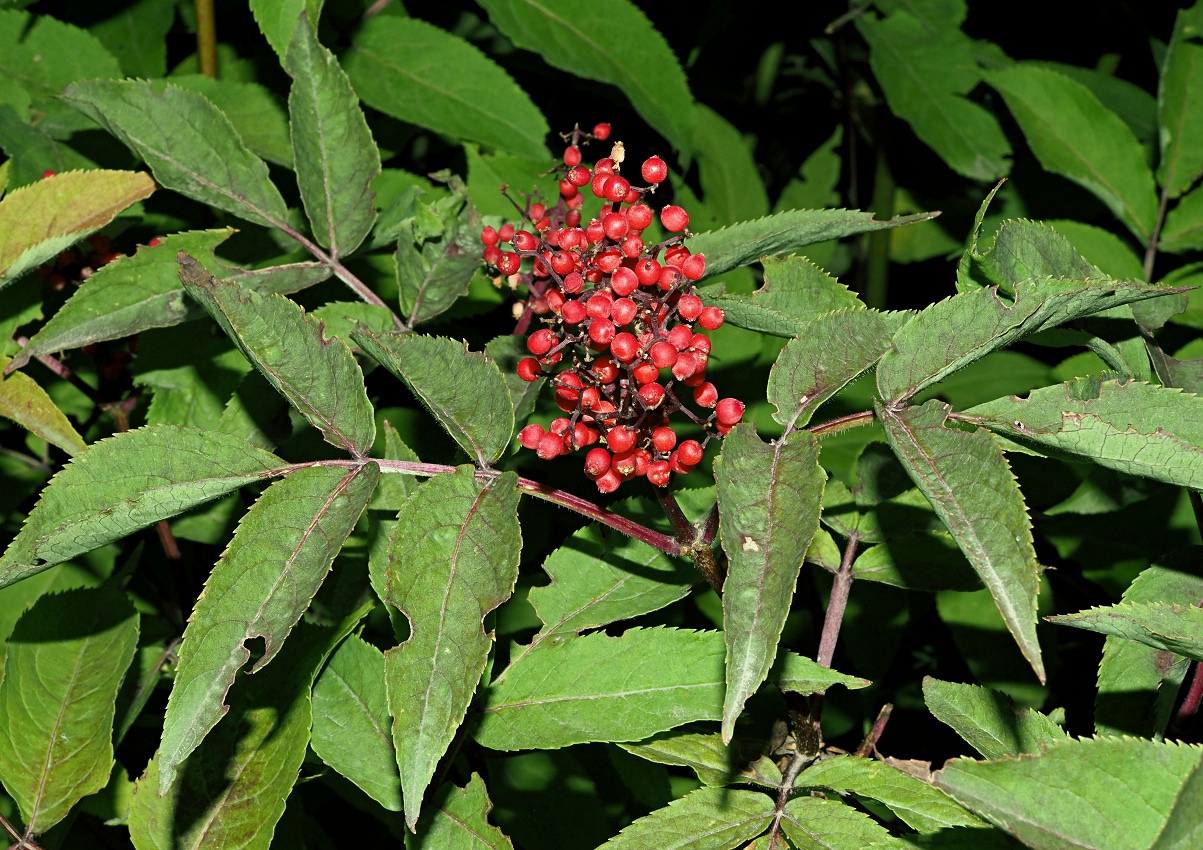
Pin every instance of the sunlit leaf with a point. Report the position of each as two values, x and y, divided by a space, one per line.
988 720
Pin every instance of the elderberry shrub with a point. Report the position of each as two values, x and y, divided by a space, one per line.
619 323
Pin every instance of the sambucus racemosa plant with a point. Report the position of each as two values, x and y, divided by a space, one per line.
346 633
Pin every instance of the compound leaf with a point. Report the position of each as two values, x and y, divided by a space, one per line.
810 370
972 489
988 720
189 144
24 401
1179 96
336 158
453 559
1073 794
320 377
918 804
1138 683
1074 135
973 324
769 497
127 482
925 73
461 822
40 220
710 817
125 297
351 726
632 56
601 688
1141 429
280 554
463 389
423 75
731 247
65 661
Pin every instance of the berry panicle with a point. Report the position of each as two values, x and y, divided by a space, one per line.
614 324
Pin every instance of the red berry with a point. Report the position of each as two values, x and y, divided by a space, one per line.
646 372
624 281
492 254
572 155
669 278
550 446
711 318
625 347
632 246
608 481
154 243
685 366
530 435
49 172
542 341
561 263
601 132
689 307
573 283
598 306
572 218
729 411
654 169
705 395
690 452
616 189
681 337
568 189
601 331
623 311
528 369
490 236
605 369
573 312
579 176
648 271
594 233
694 267
620 439
652 395
590 396
604 166
664 438
625 464
608 261
639 215
658 473
597 462
537 211
701 343
509 263
583 435
524 240
615 225
506 233
674 219
663 354
677 465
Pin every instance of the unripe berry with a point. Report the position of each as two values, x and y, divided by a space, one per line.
654 170
729 411
674 218
601 132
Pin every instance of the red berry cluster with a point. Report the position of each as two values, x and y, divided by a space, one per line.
619 320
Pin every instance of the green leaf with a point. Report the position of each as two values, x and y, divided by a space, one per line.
336 158
438 253
710 818
797 674
918 804
351 726
715 763
632 55
795 292
39 221
461 821
599 578
137 37
233 789
830 825
973 324
1141 429
280 554
453 559
507 351
1179 96
917 562
1172 627
259 117
731 247
601 688
925 73
423 75
969 483
192 385
769 496
319 377
189 144
463 389
66 658
127 296
731 182
26 403
1076 793
987 719
810 370
31 150
1074 135
1183 229
1137 683
1023 250
1184 826
277 19
99 497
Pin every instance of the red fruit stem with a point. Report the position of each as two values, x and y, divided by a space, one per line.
837 605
